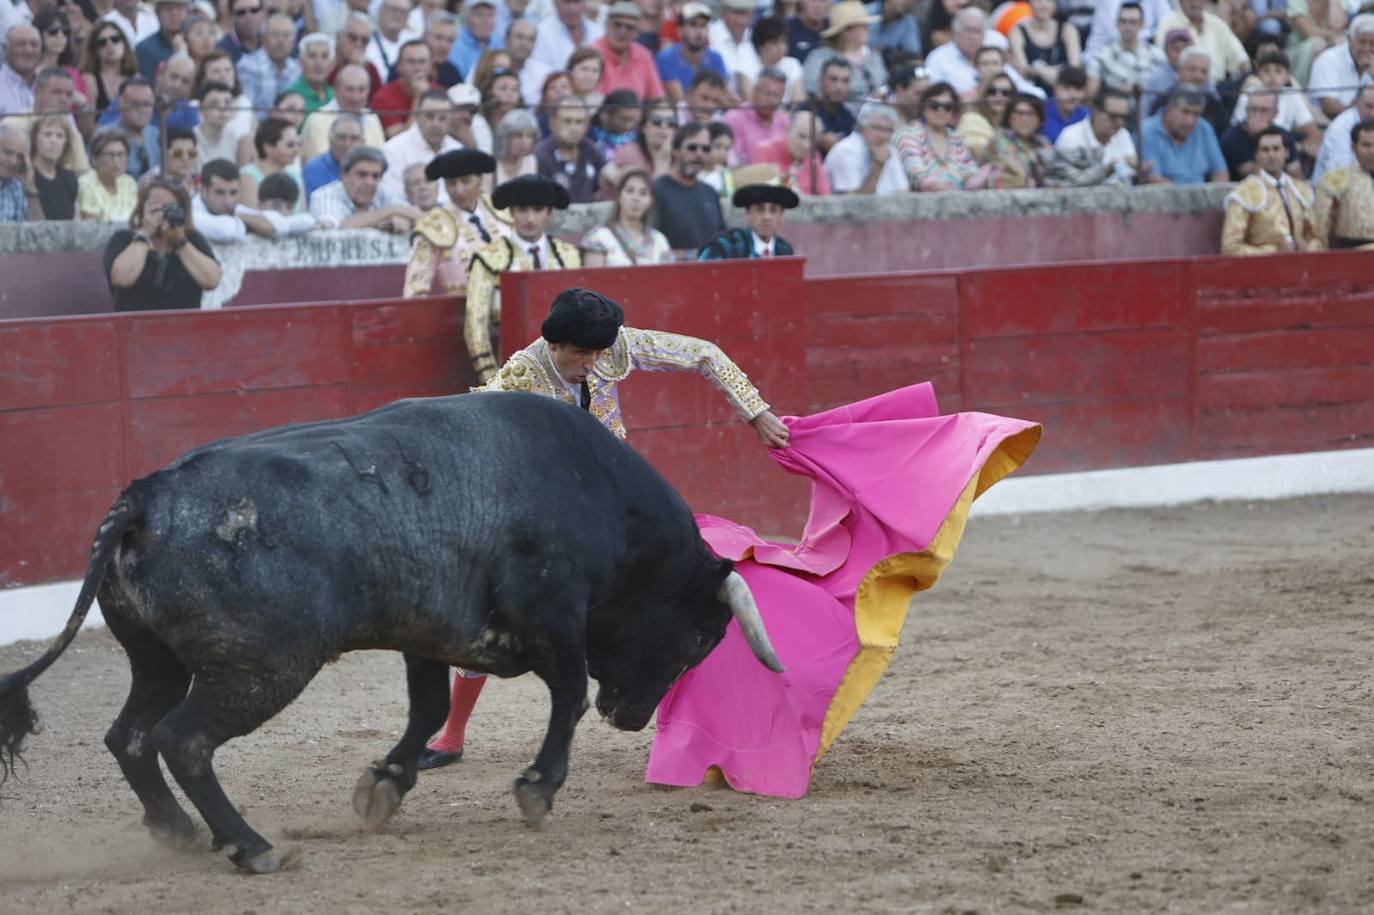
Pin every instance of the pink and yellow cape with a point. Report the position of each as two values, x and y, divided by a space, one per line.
891 486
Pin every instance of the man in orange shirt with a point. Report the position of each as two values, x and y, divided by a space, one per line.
628 65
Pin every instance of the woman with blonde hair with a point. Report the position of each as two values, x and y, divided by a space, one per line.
107 63
980 122
492 59
628 237
52 150
585 67
107 192
160 261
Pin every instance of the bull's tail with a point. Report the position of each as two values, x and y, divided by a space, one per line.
17 718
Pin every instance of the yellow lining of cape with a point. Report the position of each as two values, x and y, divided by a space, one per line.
884 594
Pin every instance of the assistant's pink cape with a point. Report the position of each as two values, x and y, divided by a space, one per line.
892 482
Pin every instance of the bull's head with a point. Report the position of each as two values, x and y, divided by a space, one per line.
637 656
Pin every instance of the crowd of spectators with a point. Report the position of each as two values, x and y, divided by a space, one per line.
275 117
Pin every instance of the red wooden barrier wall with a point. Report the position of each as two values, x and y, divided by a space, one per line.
1126 363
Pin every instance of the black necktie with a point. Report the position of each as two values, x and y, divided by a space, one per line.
477 224
534 257
1288 210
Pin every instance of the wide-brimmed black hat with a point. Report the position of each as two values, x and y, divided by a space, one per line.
770 192
530 191
457 163
583 318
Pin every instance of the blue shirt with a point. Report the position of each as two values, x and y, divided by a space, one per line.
903 34
183 114
466 50
1056 122
318 172
1189 162
674 65
151 52
14 203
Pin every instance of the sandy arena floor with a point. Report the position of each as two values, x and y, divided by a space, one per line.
1144 711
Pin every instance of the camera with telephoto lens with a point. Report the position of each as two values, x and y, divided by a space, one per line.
173 216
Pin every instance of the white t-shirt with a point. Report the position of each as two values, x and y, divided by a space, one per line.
740 58
406 149
847 164
1115 153
1334 76
1293 111
1336 151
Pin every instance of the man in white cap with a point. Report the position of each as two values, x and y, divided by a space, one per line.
627 64
679 63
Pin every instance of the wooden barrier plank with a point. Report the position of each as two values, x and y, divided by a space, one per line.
47 536
46 363
1333 307
1095 434
1282 349
1277 430
1011 371
60 448
1286 388
904 294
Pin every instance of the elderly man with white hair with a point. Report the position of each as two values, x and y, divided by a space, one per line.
14 168
1338 71
954 62
863 162
317 64
23 48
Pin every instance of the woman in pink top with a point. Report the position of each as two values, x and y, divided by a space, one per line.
933 155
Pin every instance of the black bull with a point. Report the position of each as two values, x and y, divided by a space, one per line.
503 533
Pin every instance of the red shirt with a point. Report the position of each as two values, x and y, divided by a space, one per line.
799 173
639 73
393 104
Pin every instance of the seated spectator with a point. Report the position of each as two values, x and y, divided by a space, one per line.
796 156
680 63
559 36
835 119
160 261
441 34
54 93
1269 212
1239 142
1336 151
152 51
134 121
585 70
616 122
393 103
59 50
1015 152
243 35
717 171
350 97
896 32
686 210
513 147
938 26
931 153
628 237
980 122
288 107
764 204
53 167
846 39
107 61
567 157
426 137
497 59
420 192
218 67
805 26
351 43
107 193
213 138
1178 146
1191 73
863 163
175 79
1294 116
733 39
955 63
769 38
1340 70
345 132
1344 212
358 201
219 215
556 88
500 97
393 33
1125 64
520 47
1210 32
1166 76
317 63
179 161
201 33
23 49
14 174
477 36
1105 133
1316 26
705 98
278 148
1042 47
1066 107
270 70
279 199
904 92
761 120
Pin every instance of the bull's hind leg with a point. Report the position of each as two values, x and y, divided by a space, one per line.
379 791
222 705
159 682
561 664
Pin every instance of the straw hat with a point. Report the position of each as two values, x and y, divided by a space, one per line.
845 14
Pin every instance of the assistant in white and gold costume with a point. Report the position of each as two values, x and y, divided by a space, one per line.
1270 211
1345 196
447 236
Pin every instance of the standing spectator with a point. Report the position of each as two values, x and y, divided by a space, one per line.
559 35
278 149
626 64
270 69
219 215
135 19
426 137
54 178
835 119
396 99
390 36
1015 151
847 39
761 120
1105 133
350 47
160 262
218 67
796 156
358 201
1066 107
687 211
651 150
1339 70
1344 212
513 146
680 64
981 121
764 205
863 163
317 63
705 98
628 237
931 153
1269 212
23 48
441 34
213 139
14 171
134 117
1239 142
1125 64
107 193
520 47
567 157
1294 115
1316 26
244 35
732 39
584 70
1336 151
1041 46
897 33
1178 146
804 29
1210 32
107 62
477 36
345 132
350 97
769 38
162 44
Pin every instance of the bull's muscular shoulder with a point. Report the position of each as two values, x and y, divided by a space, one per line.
438 227
495 256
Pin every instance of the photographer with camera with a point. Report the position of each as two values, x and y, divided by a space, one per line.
160 261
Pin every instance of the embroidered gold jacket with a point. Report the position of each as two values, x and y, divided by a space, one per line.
483 304
1345 206
443 242
1257 221
532 370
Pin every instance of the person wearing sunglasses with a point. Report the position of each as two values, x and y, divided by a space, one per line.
58 51
245 23
932 153
979 122
107 61
135 19
686 209
1106 133
650 151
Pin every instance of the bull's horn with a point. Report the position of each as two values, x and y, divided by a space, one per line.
735 593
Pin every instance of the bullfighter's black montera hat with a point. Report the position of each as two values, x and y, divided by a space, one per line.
583 318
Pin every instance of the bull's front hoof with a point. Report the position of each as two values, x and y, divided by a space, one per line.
178 834
268 861
377 796
534 804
